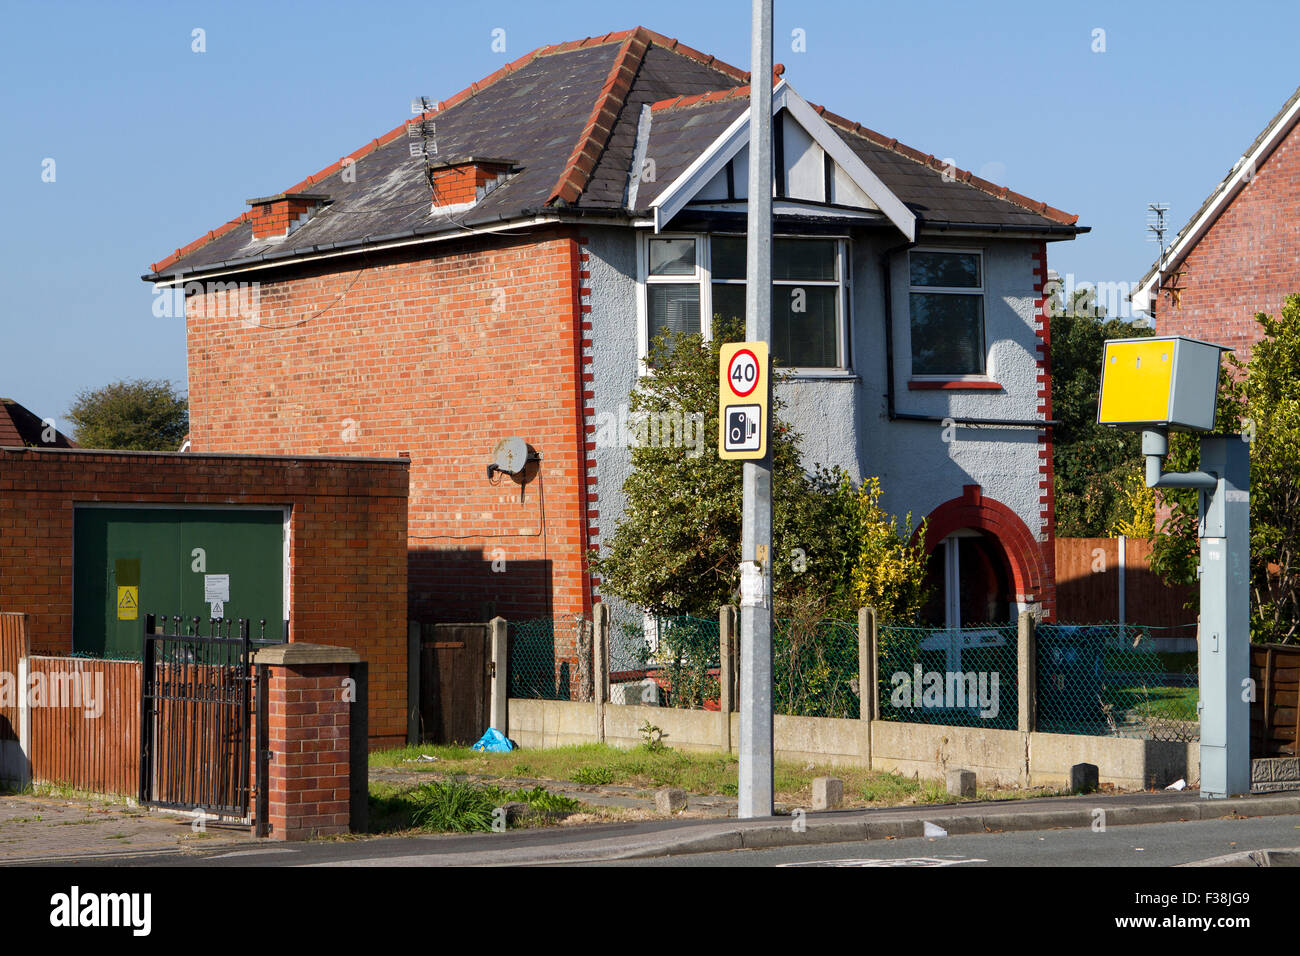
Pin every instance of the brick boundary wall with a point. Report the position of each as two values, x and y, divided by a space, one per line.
347 543
308 734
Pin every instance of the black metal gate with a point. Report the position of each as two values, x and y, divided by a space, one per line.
196 707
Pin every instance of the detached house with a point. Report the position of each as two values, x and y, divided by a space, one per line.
496 267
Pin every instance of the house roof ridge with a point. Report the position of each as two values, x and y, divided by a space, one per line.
591 143
577 170
639 33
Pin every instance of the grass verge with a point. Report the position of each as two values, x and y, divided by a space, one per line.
646 767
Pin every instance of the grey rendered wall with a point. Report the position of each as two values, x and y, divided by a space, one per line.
843 421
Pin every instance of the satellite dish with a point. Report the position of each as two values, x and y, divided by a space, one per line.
510 455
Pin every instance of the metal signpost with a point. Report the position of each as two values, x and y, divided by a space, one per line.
1159 384
755 783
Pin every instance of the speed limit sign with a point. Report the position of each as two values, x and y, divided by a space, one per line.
742 400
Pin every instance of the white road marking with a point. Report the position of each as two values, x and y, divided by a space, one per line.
900 861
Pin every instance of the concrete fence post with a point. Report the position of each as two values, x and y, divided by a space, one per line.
24 646
600 665
500 707
726 673
414 656
868 705
1026 671
586 662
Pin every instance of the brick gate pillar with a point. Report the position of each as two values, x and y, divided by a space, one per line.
316 713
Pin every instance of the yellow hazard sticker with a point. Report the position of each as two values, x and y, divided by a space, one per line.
128 603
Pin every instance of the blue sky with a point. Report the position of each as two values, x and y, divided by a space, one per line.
154 144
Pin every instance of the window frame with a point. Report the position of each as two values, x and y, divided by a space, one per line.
843 282
976 379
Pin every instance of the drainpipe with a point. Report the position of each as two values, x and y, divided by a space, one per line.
886 283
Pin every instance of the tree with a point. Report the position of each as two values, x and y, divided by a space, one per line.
676 547
139 415
1090 462
1273 410
885 568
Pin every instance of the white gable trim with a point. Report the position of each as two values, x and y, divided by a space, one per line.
1242 173
736 136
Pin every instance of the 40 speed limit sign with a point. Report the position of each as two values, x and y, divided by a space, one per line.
742 400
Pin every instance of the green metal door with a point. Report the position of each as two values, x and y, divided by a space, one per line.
130 562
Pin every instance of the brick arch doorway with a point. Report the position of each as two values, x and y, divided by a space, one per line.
985 565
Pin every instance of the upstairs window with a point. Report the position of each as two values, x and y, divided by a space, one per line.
673 286
947 313
691 280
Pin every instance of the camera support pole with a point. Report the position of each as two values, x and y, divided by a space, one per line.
755 786
1223 486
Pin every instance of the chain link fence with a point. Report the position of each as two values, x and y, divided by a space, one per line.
632 643
1118 680
673 661
961 677
550 658
1096 679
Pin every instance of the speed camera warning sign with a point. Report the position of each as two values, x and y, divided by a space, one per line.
742 400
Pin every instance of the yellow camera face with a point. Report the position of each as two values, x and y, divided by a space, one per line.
1136 381
1170 382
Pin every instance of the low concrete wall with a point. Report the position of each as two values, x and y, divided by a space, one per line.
551 723
930 750
1132 764
823 739
998 757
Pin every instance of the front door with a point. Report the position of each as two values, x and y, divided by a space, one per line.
970 582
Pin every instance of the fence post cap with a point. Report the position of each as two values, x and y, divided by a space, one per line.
299 653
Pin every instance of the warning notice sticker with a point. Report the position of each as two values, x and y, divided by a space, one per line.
128 603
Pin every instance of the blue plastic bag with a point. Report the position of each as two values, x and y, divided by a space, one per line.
494 741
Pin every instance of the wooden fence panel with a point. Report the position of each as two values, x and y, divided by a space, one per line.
13 647
86 724
1275 714
1087 585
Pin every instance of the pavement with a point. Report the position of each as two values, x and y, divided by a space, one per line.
51 829
47 830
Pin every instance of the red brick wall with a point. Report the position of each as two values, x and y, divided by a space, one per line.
1248 261
347 549
438 352
307 731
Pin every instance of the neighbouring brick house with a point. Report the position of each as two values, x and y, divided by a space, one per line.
581 199
20 426
1239 254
